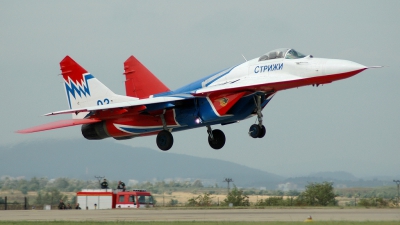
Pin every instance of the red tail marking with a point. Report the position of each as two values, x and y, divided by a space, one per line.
140 82
71 69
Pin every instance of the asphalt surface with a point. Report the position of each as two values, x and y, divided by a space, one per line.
327 214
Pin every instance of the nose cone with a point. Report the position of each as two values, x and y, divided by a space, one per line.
338 66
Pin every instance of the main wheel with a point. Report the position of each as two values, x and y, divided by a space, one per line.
165 140
262 132
254 131
219 139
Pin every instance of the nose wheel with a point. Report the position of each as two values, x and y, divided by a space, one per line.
216 138
257 130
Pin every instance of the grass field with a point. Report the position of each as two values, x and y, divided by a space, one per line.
202 223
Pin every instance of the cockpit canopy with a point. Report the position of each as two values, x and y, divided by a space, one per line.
285 53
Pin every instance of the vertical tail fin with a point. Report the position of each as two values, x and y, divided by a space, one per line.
82 89
140 82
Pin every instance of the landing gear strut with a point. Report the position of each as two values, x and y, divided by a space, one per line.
257 130
165 140
216 138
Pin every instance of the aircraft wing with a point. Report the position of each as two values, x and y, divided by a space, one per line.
58 124
147 101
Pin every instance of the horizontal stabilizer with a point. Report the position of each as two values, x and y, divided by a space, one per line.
58 124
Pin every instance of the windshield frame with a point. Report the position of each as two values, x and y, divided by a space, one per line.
293 54
281 53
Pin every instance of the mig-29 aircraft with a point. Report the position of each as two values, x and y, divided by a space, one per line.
225 97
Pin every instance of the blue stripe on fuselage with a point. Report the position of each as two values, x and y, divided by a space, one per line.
186 116
197 84
240 111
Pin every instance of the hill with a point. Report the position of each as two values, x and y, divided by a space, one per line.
337 175
83 159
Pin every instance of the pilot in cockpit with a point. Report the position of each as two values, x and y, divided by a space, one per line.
282 53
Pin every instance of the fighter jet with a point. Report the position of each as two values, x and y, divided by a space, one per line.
225 97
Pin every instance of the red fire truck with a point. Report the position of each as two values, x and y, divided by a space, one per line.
111 199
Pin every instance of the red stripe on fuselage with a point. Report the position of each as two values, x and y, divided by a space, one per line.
117 113
279 86
142 121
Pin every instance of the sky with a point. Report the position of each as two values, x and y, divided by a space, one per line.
351 125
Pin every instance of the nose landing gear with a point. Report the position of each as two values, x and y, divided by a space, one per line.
257 130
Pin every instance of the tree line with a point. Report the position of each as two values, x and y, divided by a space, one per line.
49 191
315 194
74 185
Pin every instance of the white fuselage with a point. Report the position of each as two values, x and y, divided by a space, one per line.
255 72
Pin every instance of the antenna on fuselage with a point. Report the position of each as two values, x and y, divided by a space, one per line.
244 57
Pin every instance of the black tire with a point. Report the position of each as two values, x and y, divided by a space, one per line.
262 132
165 140
254 131
219 139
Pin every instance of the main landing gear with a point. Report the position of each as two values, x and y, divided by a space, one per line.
257 130
165 140
216 138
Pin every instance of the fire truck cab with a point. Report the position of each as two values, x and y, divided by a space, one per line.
134 199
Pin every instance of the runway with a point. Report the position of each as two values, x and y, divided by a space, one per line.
318 214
